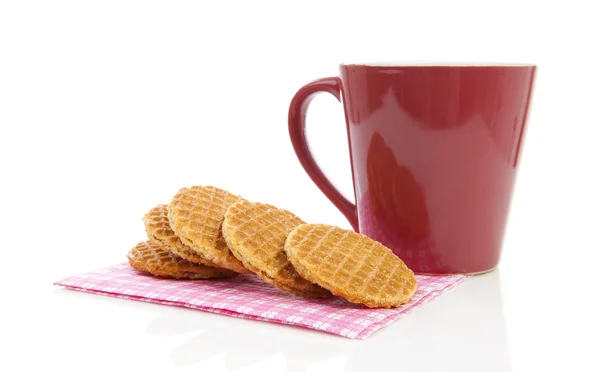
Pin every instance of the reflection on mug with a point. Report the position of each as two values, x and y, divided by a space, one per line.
394 192
394 211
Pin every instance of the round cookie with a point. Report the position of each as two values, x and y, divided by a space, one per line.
150 258
350 265
196 214
255 233
159 231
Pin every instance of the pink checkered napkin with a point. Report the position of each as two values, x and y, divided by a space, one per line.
246 296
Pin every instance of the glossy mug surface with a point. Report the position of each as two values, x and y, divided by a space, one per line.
434 152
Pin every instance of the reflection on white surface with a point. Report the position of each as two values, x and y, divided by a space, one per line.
251 348
463 330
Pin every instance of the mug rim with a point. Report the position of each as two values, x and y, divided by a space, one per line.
437 64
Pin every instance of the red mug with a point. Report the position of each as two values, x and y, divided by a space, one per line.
434 151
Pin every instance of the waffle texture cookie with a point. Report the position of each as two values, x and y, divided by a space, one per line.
150 258
159 231
350 265
255 233
196 214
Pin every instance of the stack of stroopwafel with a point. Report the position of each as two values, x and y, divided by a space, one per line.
209 233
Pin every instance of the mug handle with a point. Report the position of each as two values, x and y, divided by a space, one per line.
297 125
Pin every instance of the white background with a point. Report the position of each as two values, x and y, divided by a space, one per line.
107 108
